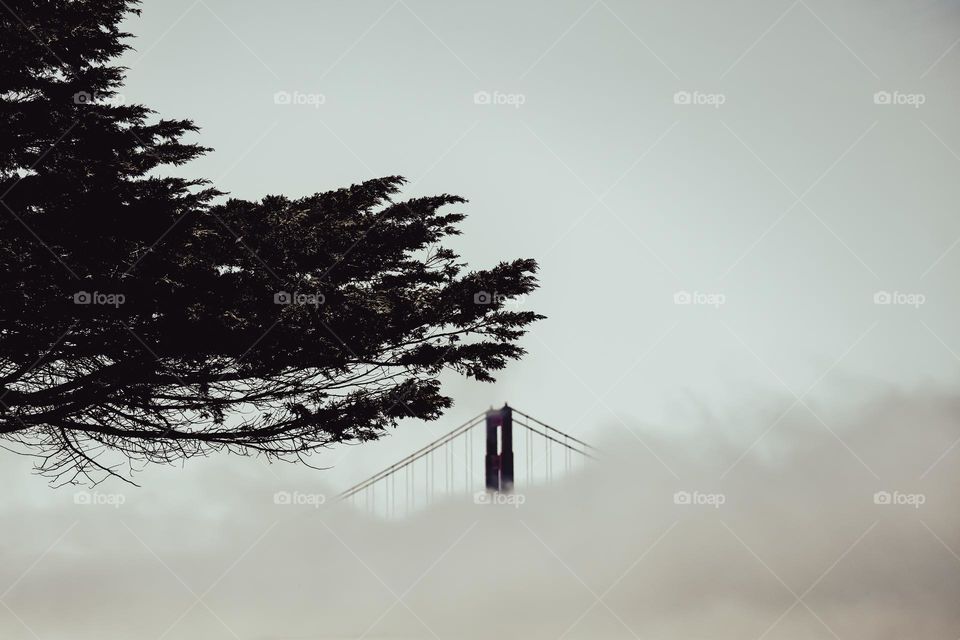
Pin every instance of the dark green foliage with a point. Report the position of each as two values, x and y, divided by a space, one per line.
142 319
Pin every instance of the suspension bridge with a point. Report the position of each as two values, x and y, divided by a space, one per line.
487 456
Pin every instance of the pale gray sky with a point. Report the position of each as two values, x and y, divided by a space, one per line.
796 199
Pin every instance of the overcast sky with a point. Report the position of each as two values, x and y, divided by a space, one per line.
781 163
788 190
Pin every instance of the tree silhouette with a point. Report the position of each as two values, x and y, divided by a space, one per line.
146 319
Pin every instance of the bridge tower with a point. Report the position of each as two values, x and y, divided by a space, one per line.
499 461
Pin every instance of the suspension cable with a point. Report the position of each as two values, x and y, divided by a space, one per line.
439 442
